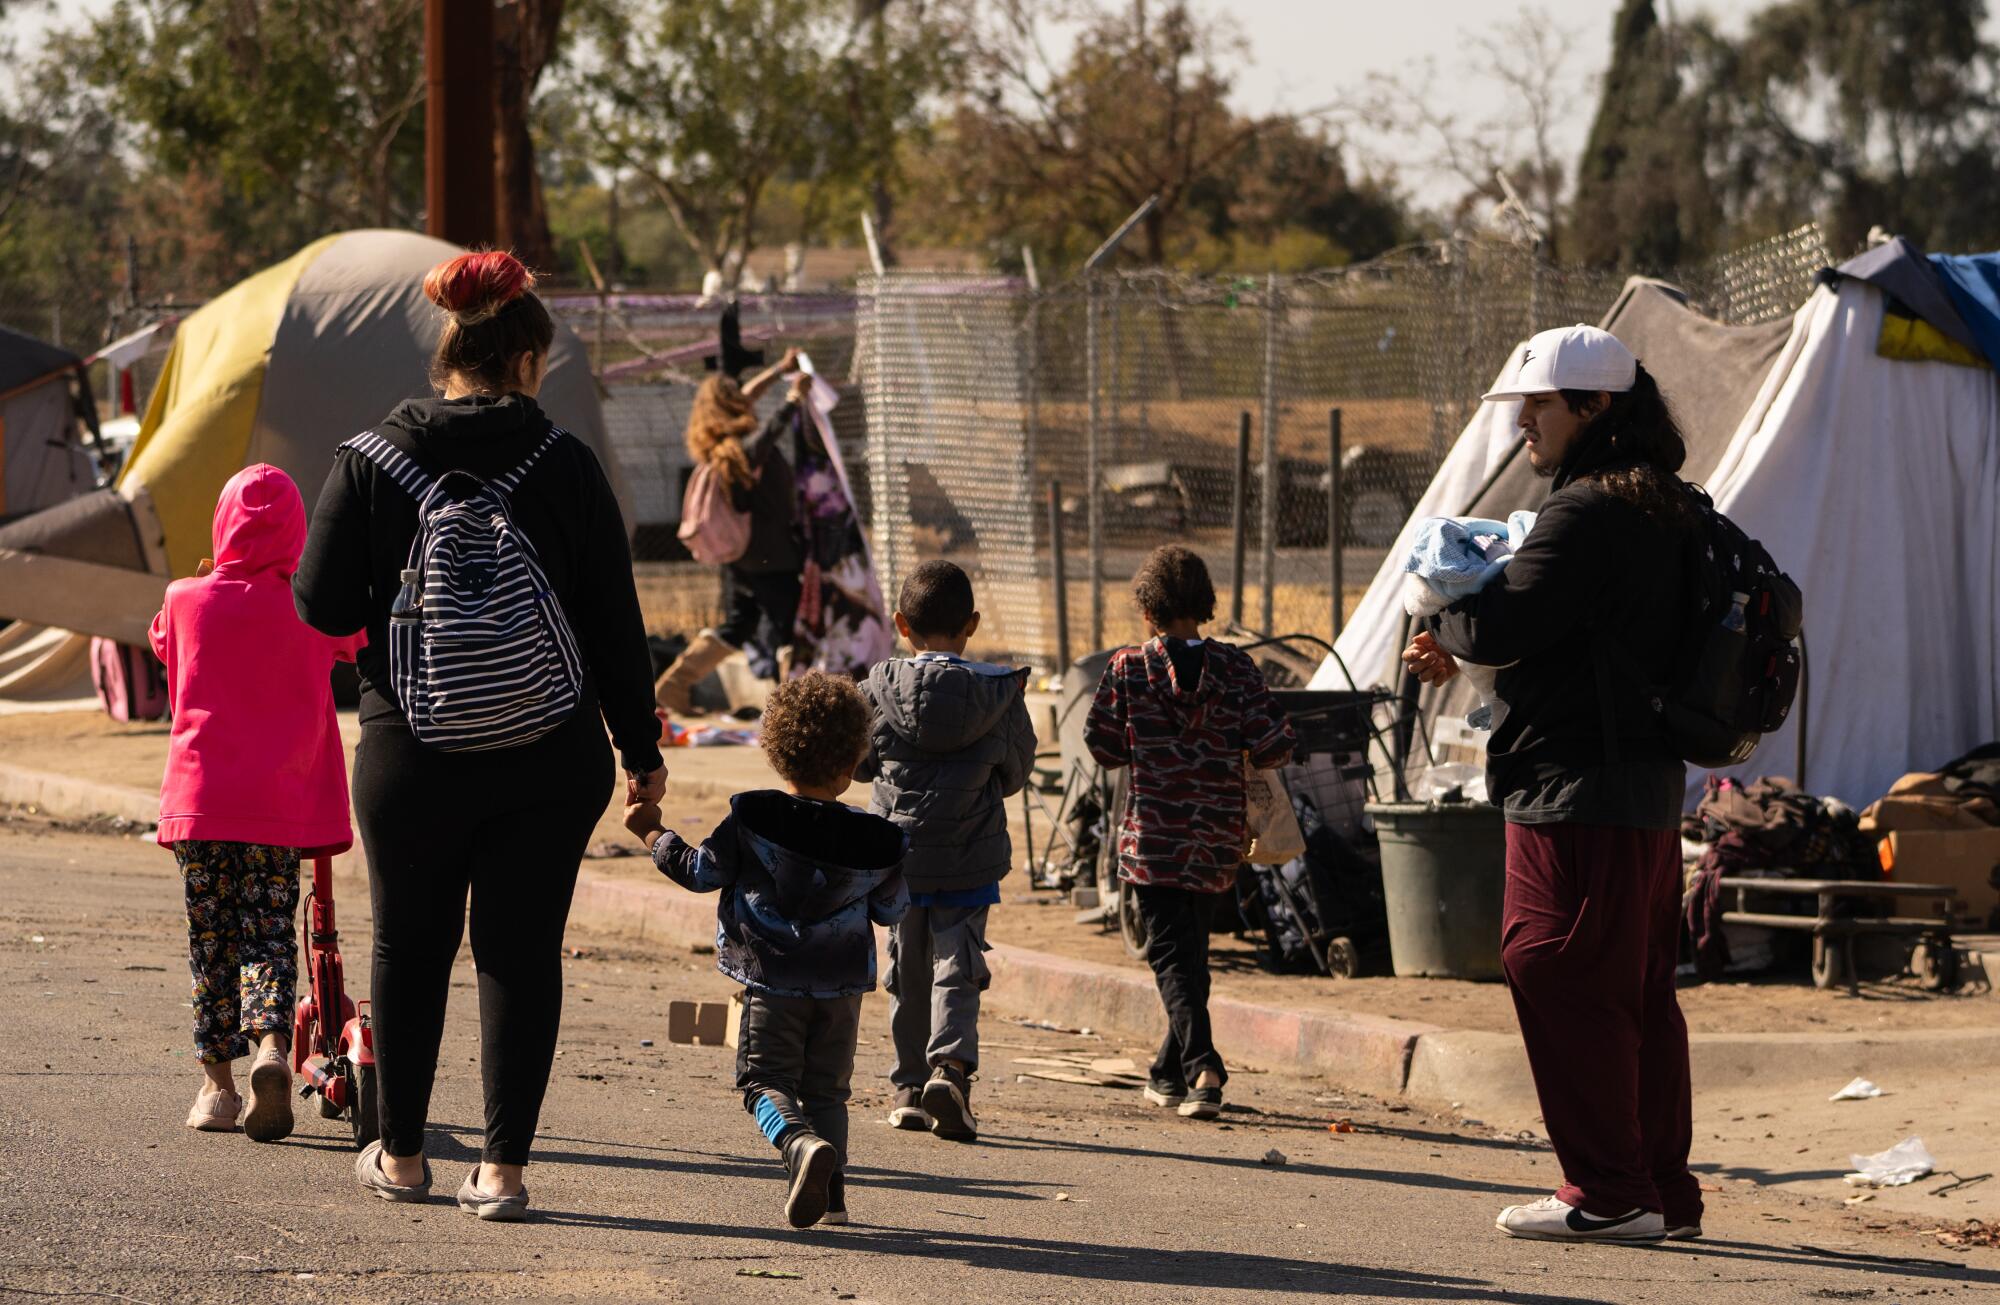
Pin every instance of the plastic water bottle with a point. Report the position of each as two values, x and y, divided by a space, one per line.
1738 618
408 608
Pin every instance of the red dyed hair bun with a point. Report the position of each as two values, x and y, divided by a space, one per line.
473 287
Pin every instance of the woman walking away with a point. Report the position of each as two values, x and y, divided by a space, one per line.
254 781
482 765
760 588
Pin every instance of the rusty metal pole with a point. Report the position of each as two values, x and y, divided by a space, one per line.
458 121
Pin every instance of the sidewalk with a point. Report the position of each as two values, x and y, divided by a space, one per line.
1436 1042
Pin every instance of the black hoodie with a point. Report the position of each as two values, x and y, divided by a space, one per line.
1594 596
364 524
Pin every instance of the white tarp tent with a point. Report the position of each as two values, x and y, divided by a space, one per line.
1876 483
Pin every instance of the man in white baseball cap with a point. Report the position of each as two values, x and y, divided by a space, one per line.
1582 360
1590 787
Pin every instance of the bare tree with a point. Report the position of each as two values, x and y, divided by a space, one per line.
1526 61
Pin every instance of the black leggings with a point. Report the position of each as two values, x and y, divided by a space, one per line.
509 827
766 603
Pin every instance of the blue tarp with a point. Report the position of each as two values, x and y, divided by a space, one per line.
1973 282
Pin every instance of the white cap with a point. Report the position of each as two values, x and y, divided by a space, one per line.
1568 358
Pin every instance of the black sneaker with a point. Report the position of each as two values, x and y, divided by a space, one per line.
1202 1103
1161 1092
811 1160
947 1100
836 1202
907 1111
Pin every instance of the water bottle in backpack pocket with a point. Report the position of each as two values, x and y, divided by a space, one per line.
480 652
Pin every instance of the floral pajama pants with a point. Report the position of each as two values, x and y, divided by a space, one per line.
242 946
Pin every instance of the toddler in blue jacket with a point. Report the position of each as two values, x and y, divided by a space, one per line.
803 878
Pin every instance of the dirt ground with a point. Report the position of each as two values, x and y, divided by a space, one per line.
92 746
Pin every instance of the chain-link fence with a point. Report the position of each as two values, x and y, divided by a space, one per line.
1103 417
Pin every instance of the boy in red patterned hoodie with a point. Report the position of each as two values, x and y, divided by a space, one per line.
1183 712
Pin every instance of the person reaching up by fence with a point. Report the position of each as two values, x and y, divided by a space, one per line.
761 584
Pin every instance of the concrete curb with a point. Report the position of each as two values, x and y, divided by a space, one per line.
69 798
1484 1074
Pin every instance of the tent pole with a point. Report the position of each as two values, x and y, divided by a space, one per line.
1805 709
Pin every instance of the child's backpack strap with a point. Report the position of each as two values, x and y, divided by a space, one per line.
400 466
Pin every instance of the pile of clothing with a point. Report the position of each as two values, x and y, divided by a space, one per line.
1766 827
1964 794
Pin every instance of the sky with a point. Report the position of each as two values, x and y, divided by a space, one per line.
1304 54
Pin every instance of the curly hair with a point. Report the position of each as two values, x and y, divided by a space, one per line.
1173 585
815 729
722 415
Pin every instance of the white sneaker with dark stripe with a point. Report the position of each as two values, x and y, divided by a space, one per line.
1552 1219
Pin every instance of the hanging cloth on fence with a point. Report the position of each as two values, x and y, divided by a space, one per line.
842 626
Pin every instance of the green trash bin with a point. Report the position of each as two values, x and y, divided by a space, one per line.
1444 866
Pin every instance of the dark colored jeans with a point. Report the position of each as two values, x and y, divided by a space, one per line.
1176 922
795 1064
506 828
1590 936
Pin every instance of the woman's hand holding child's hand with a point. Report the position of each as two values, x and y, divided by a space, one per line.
643 819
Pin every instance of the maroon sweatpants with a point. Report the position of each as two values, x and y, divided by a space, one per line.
1589 939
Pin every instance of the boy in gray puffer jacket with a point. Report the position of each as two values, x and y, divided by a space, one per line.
951 742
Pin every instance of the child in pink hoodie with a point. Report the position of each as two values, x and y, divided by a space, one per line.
255 779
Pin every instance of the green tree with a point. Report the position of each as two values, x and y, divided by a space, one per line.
1643 198
301 113
62 187
1060 153
1861 112
707 105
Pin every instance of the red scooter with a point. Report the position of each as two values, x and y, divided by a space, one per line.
333 1052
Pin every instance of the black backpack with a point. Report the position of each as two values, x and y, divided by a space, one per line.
1739 667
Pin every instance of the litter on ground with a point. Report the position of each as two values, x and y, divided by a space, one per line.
1902 1163
1859 1090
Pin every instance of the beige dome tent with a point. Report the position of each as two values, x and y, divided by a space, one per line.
280 368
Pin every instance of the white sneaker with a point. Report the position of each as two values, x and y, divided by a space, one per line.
1687 1232
1552 1219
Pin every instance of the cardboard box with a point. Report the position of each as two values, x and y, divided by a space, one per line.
1964 859
702 1023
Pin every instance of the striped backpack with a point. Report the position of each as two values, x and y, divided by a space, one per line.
480 653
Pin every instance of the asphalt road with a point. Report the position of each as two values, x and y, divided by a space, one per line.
650 1184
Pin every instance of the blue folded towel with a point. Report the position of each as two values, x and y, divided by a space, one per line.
1454 558
1457 556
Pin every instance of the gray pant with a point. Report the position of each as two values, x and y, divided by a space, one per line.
795 1062
937 969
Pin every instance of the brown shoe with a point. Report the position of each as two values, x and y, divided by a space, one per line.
674 690
215 1111
269 1114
